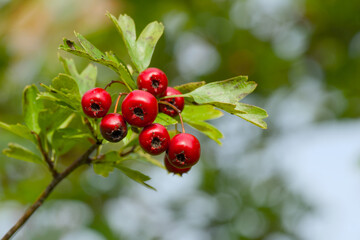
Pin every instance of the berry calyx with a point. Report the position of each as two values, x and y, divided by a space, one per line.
139 108
154 139
172 169
184 150
153 80
96 102
178 102
113 127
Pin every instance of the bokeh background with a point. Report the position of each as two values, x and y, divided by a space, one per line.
300 179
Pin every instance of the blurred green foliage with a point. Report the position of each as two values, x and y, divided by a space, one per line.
278 44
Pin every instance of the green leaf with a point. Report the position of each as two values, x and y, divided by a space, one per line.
189 87
126 26
196 115
146 43
19 130
53 117
63 90
125 75
207 129
89 48
88 75
172 133
107 164
66 84
72 47
107 59
131 143
63 140
228 91
142 49
112 57
52 97
103 169
164 119
147 158
200 112
136 176
252 114
121 69
128 137
111 159
141 156
116 158
19 152
226 96
86 80
31 107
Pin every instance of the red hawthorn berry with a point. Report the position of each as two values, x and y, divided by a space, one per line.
153 80
176 101
139 108
96 102
184 150
154 139
113 127
172 169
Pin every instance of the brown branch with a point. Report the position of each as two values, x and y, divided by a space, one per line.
29 212
45 155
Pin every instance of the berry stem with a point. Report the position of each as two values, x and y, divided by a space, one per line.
45 155
90 127
177 110
117 101
123 154
174 96
98 149
98 159
113 81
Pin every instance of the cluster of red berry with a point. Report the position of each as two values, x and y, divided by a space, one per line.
139 109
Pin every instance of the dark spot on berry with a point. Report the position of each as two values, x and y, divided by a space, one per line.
116 134
95 107
170 109
155 83
181 157
139 112
172 101
155 142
